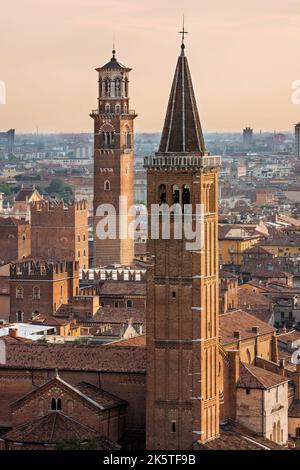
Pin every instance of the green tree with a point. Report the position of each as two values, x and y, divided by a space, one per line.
59 189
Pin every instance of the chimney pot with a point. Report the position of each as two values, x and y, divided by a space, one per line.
13 332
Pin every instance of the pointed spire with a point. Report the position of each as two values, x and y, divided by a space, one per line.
114 48
182 132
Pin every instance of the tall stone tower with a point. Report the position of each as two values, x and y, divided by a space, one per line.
113 157
182 302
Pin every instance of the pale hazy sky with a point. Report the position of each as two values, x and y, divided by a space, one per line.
243 55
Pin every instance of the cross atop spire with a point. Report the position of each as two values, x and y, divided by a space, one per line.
183 33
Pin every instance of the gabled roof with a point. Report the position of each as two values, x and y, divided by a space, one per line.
258 378
242 322
96 397
182 132
25 194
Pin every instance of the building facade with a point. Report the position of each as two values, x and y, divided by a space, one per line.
182 289
41 288
113 161
60 231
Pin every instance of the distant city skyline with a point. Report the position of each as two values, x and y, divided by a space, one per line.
242 58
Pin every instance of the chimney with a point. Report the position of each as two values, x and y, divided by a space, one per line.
13 332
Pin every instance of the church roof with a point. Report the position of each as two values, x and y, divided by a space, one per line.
53 428
182 132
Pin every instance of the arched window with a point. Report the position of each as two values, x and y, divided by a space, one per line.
107 185
274 432
118 109
107 108
129 304
19 292
36 293
127 138
175 194
118 87
186 197
56 404
278 432
125 108
19 316
107 87
162 194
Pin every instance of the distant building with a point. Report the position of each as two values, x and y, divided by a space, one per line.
297 139
7 140
14 239
21 207
60 231
247 136
38 287
265 197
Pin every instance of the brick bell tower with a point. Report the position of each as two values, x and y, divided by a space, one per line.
113 157
182 286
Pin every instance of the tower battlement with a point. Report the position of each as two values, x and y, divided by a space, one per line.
40 269
58 206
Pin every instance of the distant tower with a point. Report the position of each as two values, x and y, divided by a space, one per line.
182 287
113 157
297 139
248 136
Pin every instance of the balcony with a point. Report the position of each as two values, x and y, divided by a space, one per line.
173 161
97 112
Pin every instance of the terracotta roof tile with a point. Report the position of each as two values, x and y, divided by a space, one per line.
138 341
256 377
53 428
243 322
122 288
236 437
70 356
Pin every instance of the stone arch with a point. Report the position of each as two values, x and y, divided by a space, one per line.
162 193
186 194
175 194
